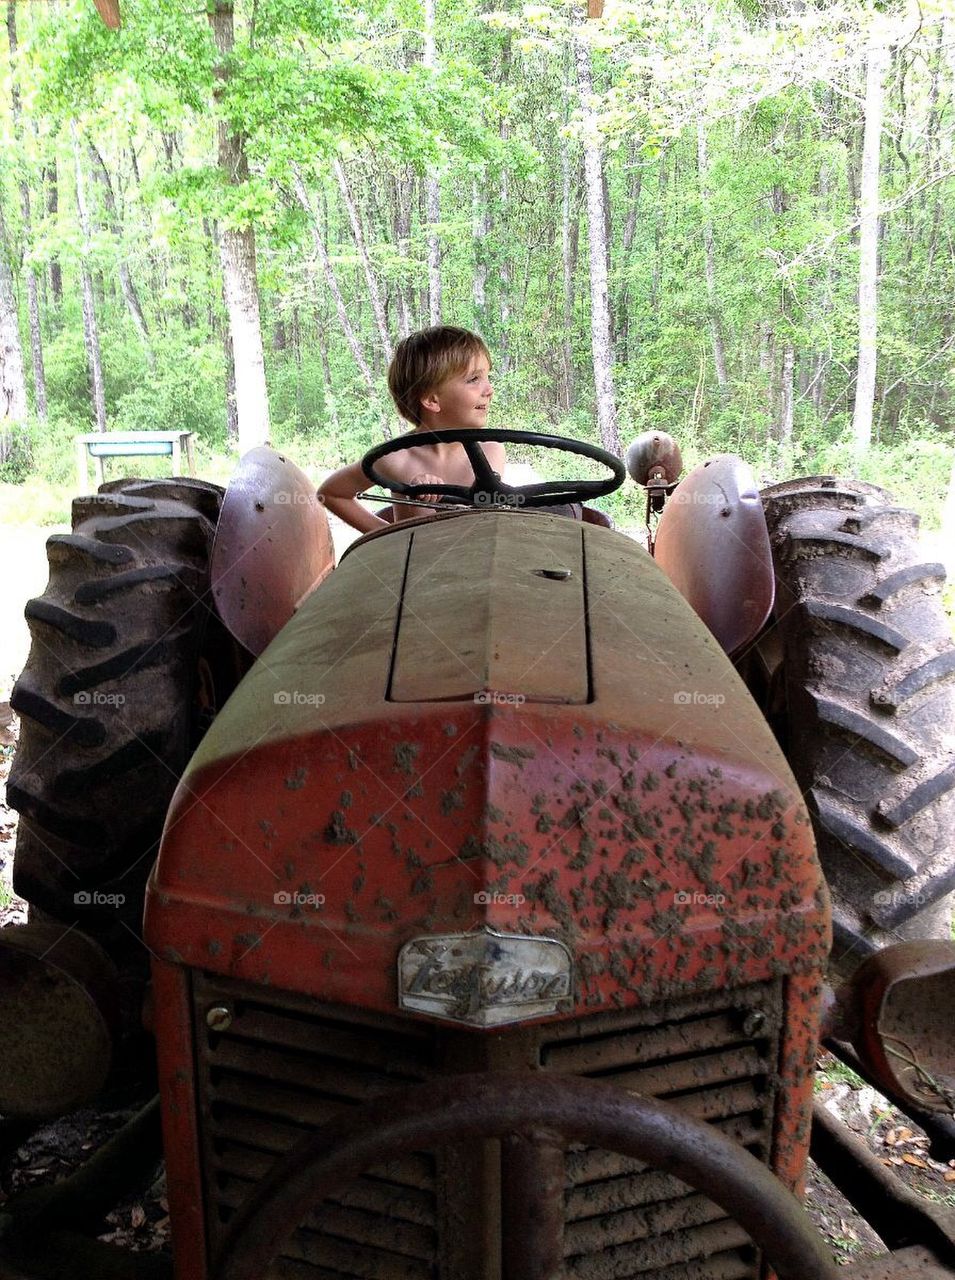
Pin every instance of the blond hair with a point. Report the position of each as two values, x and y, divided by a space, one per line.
425 359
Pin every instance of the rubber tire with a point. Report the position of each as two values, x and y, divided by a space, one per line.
869 695
108 702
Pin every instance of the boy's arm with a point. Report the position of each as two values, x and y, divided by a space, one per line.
338 494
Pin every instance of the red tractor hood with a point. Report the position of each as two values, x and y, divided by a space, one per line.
494 724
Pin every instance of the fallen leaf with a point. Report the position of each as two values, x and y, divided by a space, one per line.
891 1138
137 1217
910 1159
905 1134
950 1176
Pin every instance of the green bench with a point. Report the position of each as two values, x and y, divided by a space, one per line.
131 444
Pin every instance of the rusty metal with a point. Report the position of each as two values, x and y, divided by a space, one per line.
474 643
654 829
905 1031
713 544
654 458
899 1215
272 546
482 1106
938 1128
59 1001
532 1200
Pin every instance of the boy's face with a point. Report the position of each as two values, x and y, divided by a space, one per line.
461 400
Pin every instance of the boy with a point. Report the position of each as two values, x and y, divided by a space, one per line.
439 378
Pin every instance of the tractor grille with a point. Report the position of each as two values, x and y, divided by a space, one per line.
717 1064
285 1065
281 1071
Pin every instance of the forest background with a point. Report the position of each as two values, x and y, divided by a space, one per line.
733 222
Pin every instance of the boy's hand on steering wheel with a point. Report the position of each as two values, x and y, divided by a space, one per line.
426 477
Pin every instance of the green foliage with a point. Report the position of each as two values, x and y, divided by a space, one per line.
499 120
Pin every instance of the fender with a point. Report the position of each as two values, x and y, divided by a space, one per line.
272 546
713 545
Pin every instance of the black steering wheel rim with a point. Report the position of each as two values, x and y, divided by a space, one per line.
488 488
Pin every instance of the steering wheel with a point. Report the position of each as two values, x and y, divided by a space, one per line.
489 490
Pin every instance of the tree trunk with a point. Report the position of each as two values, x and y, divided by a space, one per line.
33 299
90 328
431 186
401 221
13 387
351 337
712 306
237 255
228 354
330 403
130 293
569 241
481 226
876 63
52 208
597 241
374 294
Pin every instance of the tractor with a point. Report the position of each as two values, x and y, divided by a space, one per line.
510 874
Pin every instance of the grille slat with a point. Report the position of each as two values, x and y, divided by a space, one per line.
625 1261
344 1258
596 1053
630 1225
314 1072
395 1054
406 1203
349 1223
592 1166
625 1219
276 1139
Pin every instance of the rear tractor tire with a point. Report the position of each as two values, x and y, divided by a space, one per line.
127 666
865 690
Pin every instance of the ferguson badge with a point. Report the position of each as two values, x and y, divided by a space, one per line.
485 978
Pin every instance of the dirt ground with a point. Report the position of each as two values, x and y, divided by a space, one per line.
141 1221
